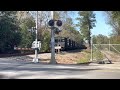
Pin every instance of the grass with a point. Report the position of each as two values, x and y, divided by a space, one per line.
87 56
98 55
85 59
87 51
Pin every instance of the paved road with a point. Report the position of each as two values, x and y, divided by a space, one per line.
13 69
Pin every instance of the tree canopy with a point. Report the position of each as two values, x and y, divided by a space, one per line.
9 31
86 21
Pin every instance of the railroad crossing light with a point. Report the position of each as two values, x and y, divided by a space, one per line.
55 24
59 23
51 23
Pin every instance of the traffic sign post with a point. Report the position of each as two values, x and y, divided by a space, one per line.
35 60
36 45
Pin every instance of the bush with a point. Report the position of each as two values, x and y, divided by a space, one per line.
45 42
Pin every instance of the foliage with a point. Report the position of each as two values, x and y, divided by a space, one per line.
70 31
87 56
45 42
115 40
86 22
87 51
98 55
100 39
9 31
27 37
113 19
14 26
84 59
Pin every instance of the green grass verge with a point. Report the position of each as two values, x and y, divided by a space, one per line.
85 59
87 56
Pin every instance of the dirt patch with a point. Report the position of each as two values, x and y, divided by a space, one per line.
69 57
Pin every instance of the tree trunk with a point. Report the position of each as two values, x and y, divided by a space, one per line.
89 40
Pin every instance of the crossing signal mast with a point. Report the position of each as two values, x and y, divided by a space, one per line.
36 45
54 24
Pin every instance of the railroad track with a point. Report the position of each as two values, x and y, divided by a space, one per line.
14 54
23 54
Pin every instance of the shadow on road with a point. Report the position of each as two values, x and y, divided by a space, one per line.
2 76
47 71
30 70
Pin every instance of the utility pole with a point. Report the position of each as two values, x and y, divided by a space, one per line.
52 61
36 49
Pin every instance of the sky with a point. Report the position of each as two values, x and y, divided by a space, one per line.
101 26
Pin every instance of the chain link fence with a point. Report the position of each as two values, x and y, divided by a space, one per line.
105 52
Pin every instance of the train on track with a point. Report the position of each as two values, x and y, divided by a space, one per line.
63 42
68 44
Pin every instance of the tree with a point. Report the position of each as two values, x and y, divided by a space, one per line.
100 39
22 15
68 27
86 22
9 31
45 42
27 37
113 19
69 30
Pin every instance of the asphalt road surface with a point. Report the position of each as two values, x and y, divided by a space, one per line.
13 69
